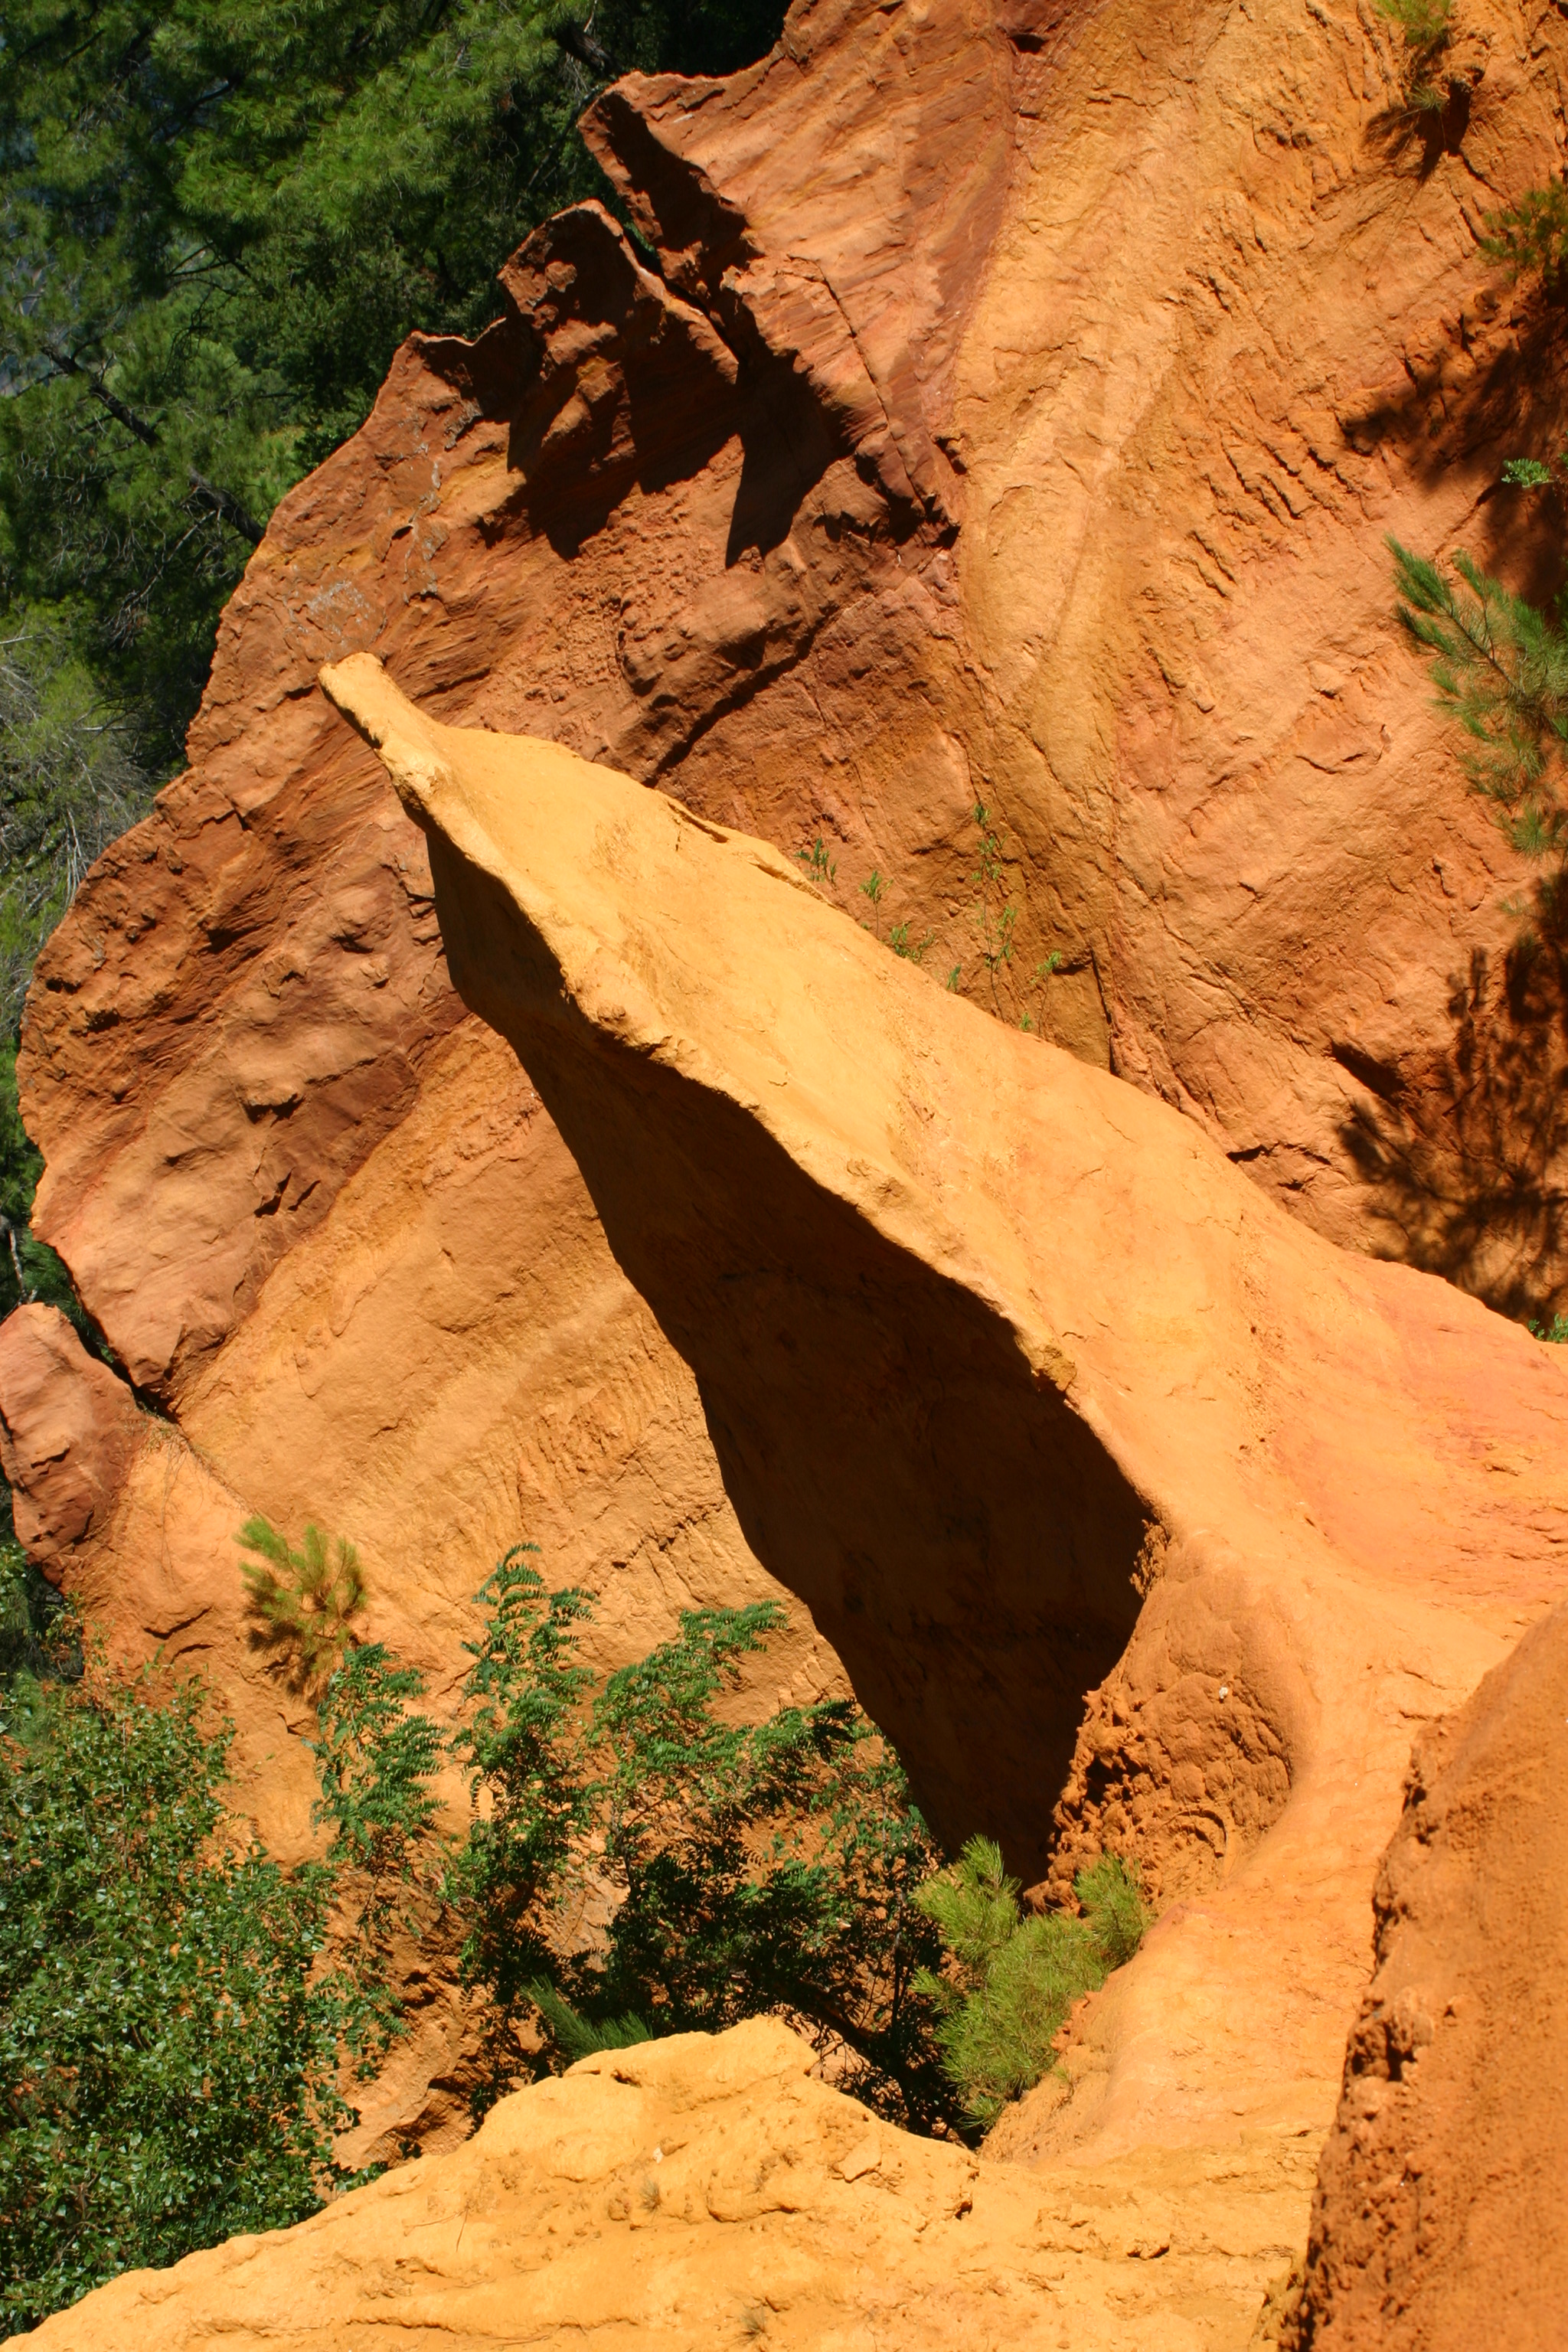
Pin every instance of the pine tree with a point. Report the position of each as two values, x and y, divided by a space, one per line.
218 225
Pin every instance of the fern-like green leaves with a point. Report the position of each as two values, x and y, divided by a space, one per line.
658 1868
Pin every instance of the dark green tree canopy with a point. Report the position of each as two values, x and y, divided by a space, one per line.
219 223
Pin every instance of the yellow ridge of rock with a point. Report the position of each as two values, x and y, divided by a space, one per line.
704 2191
1098 1469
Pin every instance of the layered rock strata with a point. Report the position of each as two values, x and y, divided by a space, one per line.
1057 1423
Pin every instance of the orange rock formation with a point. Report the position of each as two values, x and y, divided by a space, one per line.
1440 2212
990 1344
1019 416
702 2191
1014 413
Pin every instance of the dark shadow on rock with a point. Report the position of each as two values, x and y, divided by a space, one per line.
787 445
1465 1154
1433 131
957 1531
1512 403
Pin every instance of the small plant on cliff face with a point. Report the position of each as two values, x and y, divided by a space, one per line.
1499 666
1010 1981
1428 29
1532 235
995 915
899 940
303 1599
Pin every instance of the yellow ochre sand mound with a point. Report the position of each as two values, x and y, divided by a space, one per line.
703 2192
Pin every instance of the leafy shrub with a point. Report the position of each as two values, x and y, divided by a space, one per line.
177 2011
302 1599
738 1868
168 2044
376 1760
1012 1981
25 1613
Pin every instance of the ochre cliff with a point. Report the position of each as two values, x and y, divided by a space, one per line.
992 1346
1017 417
1002 406
1441 2217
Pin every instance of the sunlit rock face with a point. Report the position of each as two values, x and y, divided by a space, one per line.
1138 1514
1440 2218
999 408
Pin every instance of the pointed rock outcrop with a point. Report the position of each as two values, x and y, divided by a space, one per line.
1092 1463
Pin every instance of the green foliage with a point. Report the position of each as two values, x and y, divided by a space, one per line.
219 224
1532 235
376 1760
1428 28
572 2036
33 1641
29 1269
1010 1981
822 868
1501 668
996 915
899 940
1422 21
168 2044
1556 1332
70 781
768 1866
302 1600
730 1869
912 950
175 2010
522 1745
1047 969
1527 474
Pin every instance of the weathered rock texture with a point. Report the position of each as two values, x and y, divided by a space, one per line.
990 1344
702 2193
1018 414
1441 2217
1015 412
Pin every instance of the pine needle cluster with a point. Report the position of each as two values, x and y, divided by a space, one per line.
1011 1981
303 1598
1428 29
1499 665
1532 235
